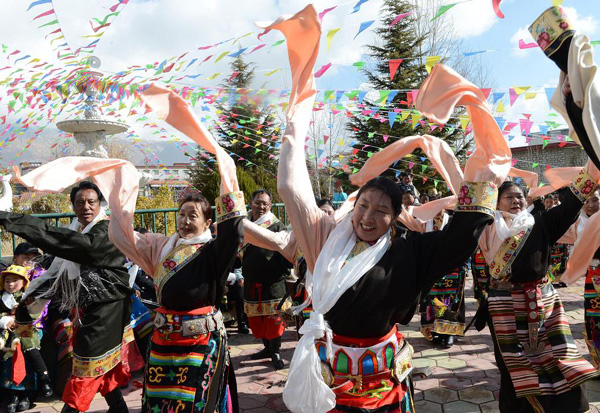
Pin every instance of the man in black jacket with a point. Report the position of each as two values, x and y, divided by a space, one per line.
264 282
89 276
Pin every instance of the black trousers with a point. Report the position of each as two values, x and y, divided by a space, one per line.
236 293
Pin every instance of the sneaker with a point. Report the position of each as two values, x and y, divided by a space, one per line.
45 389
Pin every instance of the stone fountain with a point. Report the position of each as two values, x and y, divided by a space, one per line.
91 131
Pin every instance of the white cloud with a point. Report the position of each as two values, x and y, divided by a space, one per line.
583 24
521 34
472 18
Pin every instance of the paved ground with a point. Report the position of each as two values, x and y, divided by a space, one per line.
464 378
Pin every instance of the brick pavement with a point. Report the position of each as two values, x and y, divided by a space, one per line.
464 378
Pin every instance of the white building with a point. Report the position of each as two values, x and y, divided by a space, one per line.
176 176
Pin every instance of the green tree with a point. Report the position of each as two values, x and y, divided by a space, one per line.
369 131
160 198
246 128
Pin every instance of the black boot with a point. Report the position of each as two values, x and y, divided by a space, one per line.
45 389
277 361
116 403
242 328
264 353
13 402
275 345
68 409
24 404
448 341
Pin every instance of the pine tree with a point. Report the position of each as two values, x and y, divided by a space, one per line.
369 131
247 129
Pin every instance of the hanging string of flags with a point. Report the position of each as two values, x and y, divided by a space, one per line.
37 91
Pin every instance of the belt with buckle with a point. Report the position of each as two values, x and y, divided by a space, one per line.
401 368
189 325
507 285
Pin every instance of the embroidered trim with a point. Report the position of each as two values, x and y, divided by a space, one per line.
265 308
551 29
477 197
100 365
172 263
508 251
583 186
230 205
448 327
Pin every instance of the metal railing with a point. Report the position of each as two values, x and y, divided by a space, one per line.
154 220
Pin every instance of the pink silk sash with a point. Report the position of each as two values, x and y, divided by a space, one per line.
442 91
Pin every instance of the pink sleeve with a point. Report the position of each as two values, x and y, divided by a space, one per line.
570 236
429 210
442 91
530 178
177 113
284 242
410 222
310 225
589 242
120 186
118 181
589 239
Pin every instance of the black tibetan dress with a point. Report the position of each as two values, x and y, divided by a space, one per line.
264 274
541 368
188 367
366 341
101 337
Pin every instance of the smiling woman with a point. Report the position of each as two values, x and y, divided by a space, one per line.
377 205
351 357
194 216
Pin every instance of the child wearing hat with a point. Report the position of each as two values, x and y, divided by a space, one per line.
21 342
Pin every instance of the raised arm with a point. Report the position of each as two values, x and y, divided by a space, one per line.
91 248
283 242
440 252
310 225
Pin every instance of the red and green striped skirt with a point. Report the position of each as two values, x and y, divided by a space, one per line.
557 367
188 374
592 313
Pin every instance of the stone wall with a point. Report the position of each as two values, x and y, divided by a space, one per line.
570 154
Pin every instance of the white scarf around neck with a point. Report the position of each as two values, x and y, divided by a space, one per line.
520 222
64 272
305 391
9 299
264 218
583 219
176 241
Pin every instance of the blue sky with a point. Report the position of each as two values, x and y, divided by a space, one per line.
532 68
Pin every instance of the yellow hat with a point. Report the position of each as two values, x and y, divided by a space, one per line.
552 29
19 270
